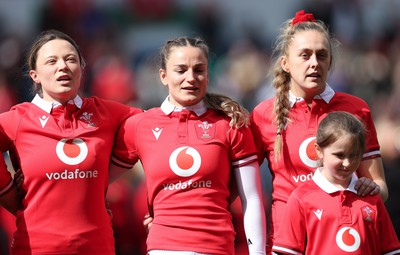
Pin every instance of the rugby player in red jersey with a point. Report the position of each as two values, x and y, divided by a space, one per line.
188 151
284 126
62 143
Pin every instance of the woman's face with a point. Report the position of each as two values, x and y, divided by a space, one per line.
308 63
186 75
58 71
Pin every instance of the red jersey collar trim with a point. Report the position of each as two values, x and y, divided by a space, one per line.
327 186
168 108
327 95
48 106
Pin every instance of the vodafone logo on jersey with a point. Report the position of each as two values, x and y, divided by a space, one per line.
307 152
71 151
348 239
185 161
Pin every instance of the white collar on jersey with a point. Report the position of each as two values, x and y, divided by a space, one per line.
199 108
326 96
327 186
48 106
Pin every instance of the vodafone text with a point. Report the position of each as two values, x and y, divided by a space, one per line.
70 175
302 177
187 185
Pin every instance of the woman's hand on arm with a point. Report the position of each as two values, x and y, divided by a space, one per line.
372 178
147 221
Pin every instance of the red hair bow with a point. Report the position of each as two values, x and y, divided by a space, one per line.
301 16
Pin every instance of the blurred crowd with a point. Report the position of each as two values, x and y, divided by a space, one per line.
120 41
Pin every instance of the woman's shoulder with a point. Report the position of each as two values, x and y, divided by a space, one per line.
264 111
349 98
18 112
21 108
266 104
146 114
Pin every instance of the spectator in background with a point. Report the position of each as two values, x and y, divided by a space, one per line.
243 72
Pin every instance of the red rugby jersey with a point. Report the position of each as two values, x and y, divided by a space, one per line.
320 219
64 154
299 159
187 157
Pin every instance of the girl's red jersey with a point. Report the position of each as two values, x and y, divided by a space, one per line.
320 219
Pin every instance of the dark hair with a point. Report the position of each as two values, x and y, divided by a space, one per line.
337 124
238 114
43 38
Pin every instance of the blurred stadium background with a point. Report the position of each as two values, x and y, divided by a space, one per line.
120 40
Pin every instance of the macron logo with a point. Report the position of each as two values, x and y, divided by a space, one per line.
318 213
157 132
43 120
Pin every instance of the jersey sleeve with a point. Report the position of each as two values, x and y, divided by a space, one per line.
242 149
9 122
372 144
254 119
291 237
361 109
125 152
263 131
